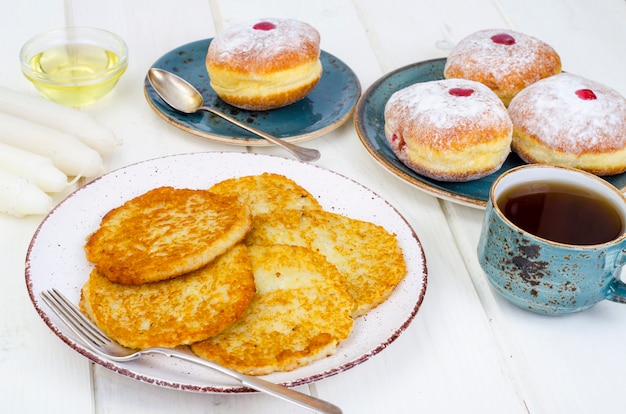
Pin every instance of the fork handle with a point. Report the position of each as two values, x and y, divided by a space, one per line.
256 383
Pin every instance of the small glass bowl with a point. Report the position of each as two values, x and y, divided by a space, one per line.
74 66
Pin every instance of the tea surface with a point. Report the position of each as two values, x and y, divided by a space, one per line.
561 213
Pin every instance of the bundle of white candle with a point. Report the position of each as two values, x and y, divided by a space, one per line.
42 145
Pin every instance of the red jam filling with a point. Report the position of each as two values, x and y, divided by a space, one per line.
401 143
586 94
264 26
503 39
460 92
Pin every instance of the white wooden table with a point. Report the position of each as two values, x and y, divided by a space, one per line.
467 350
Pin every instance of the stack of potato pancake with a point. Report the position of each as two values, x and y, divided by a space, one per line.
251 273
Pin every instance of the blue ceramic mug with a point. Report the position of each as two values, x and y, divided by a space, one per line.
538 273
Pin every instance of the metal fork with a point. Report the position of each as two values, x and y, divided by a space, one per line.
104 346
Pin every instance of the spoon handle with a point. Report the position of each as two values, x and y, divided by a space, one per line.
301 153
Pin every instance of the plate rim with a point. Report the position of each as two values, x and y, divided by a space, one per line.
414 181
59 329
248 141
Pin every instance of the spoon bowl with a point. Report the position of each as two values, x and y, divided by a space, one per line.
185 98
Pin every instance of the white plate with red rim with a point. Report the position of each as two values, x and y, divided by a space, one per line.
56 259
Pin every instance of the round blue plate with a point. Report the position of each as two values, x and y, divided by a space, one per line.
370 126
325 108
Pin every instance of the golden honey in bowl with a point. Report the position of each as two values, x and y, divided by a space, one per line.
74 66
81 63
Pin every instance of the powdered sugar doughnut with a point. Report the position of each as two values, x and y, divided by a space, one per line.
265 64
504 60
448 130
571 121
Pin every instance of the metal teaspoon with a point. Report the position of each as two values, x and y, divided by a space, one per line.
184 97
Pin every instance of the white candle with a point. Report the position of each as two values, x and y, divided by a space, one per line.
66 151
63 118
39 170
19 197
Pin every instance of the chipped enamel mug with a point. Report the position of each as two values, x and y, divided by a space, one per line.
544 276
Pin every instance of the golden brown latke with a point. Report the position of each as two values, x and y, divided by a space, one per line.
165 233
367 255
267 192
299 314
173 312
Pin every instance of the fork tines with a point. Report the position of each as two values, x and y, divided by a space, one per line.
73 317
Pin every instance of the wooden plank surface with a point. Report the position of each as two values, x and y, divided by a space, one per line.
467 350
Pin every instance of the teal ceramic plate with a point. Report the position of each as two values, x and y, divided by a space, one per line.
325 108
370 123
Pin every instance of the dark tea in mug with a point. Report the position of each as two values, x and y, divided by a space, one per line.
562 213
573 251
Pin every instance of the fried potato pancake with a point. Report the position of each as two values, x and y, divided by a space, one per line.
173 312
367 255
299 314
165 233
267 192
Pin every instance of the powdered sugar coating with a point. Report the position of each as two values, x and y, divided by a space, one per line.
551 112
427 112
442 131
243 48
505 68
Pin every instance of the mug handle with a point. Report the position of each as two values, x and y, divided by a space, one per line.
617 288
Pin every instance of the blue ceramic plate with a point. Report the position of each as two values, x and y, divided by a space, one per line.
325 108
369 122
